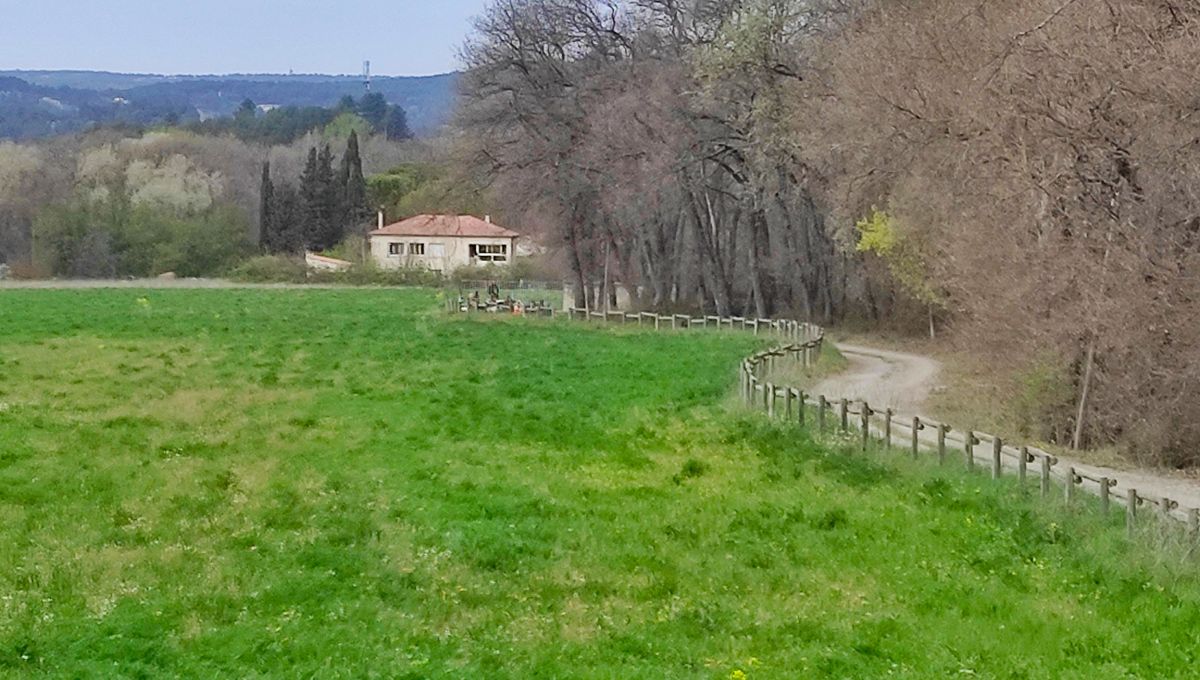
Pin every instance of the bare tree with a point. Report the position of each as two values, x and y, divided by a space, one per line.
1048 153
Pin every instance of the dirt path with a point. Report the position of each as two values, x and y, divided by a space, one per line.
884 378
903 382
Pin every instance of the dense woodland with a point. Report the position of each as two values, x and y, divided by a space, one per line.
1026 173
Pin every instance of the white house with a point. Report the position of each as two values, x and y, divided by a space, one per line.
442 243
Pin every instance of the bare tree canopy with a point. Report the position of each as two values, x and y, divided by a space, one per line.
655 133
1035 163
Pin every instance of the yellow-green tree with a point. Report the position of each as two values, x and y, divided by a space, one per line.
880 233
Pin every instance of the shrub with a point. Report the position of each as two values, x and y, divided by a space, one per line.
367 275
111 238
521 269
269 269
1044 400
25 271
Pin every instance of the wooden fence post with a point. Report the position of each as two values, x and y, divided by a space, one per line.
845 415
1104 490
1070 485
969 450
767 398
942 432
771 400
887 427
1023 465
800 397
1131 503
997 462
787 403
865 416
1164 508
822 407
1045 476
916 436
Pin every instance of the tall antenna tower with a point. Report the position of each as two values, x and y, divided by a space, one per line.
367 75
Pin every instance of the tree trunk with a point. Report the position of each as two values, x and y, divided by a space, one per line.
1085 388
757 275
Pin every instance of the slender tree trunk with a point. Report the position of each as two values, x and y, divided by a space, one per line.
757 275
576 261
703 223
1085 388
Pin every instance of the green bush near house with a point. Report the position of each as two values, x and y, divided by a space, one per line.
270 269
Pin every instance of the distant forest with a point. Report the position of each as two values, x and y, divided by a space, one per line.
36 104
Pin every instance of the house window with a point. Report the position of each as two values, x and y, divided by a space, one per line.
487 252
395 248
437 250
416 249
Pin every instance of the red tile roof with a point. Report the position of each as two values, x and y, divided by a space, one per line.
445 225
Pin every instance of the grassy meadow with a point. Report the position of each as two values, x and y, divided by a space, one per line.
349 483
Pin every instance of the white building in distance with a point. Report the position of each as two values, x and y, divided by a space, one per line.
442 243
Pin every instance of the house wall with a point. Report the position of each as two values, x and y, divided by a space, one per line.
455 249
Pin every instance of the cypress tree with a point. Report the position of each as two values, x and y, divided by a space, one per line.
266 206
287 229
328 201
310 199
353 186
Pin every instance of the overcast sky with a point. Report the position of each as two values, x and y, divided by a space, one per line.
400 37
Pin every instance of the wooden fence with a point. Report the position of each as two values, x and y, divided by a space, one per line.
802 344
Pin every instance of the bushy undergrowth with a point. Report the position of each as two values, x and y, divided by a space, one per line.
280 269
270 269
343 483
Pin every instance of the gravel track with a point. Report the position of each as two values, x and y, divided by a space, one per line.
903 381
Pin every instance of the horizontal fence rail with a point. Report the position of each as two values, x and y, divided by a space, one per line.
917 435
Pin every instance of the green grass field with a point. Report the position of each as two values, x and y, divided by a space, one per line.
351 484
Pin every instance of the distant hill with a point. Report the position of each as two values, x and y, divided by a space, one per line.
43 103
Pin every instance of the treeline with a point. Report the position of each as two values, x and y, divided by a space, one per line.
129 204
1023 172
47 104
371 114
30 111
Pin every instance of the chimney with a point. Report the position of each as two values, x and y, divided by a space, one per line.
381 218
487 218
